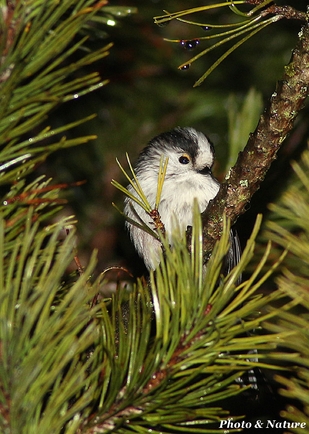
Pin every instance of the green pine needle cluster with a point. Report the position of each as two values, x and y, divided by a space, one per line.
44 337
288 228
250 23
182 341
38 73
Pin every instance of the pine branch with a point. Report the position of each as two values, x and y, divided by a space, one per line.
254 161
45 331
250 23
41 50
178 379
50 342
287 227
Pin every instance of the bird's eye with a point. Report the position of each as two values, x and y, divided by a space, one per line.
184 159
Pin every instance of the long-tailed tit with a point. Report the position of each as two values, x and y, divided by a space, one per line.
188 176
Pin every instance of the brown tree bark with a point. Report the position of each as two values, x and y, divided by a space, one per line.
254 161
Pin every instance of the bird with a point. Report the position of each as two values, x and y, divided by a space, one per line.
190 157
188 178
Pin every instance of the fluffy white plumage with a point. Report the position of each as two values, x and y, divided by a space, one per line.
188 177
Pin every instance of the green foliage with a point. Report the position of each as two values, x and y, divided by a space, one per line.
38 73
199 343
242 122
44 337
250 23
288 228
141 199
63 363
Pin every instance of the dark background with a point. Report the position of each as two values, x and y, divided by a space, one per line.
147 95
